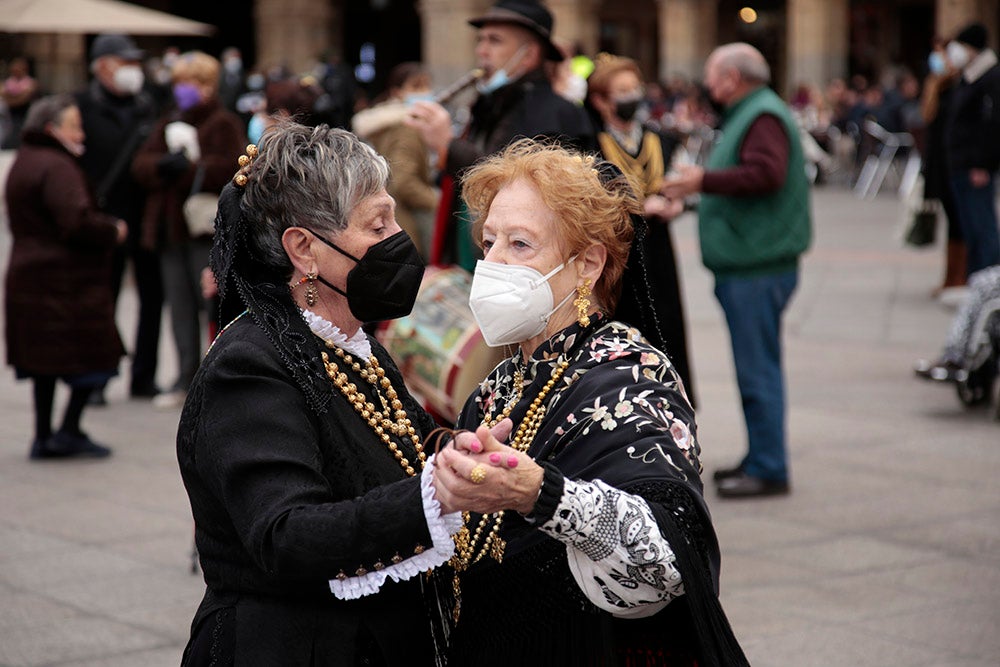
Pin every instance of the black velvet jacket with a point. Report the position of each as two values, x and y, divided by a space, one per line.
287 493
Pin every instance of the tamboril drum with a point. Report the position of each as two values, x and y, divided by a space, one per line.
438 346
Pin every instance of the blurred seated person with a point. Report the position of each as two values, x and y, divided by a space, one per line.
974 334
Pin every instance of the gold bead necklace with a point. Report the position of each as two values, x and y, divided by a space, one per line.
493 544
378 420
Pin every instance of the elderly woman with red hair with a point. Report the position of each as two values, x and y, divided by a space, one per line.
588 540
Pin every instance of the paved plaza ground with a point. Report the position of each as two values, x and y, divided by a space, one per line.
887 553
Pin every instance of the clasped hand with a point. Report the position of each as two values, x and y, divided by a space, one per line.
508 479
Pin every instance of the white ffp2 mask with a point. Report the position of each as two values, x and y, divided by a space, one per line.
957 54
128 79
512 303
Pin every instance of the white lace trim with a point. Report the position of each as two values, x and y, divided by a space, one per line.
441 528
358 344
615 550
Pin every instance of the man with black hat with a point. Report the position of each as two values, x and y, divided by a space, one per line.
516 99
972 144
117 115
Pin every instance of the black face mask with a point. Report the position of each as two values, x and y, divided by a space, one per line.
385 282
626 109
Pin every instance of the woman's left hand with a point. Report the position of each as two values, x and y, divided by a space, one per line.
507 479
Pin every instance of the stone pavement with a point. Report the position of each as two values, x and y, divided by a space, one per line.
886 553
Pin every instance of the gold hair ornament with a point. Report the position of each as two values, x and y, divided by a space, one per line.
245 161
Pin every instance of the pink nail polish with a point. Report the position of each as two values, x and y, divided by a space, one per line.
495 458
511 461
476 447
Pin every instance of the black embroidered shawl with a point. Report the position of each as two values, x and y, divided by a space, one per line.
618 414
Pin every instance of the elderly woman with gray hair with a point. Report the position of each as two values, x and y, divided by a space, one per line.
58 308
302 453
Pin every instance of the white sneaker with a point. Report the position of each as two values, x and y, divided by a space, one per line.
170 400
952 297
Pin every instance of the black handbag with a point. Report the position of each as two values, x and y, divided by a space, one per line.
923 226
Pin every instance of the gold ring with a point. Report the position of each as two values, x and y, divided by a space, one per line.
478 474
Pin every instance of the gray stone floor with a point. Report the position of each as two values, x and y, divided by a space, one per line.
886 553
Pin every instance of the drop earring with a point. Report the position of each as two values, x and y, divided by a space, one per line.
312 294
582 303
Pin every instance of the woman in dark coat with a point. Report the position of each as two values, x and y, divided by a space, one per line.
615 93
198 139
59 308
301 450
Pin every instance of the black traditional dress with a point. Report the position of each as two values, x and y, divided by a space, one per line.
312 535
645 164
619 434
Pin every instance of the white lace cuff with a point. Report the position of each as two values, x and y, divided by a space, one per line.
441 528
616 552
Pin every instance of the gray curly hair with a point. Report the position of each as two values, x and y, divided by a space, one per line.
309 177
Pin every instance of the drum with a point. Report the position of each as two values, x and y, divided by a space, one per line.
438 346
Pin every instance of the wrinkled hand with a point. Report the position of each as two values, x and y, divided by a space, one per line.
686 182
979 178
658 206
171 166
512 481
209 288
433 122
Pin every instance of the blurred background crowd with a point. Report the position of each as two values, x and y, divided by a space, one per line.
159 125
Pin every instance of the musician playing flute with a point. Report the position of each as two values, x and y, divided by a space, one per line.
515 100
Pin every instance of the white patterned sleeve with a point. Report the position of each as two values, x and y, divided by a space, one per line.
617 555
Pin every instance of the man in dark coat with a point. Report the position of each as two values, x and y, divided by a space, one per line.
515 100
972 144
117 115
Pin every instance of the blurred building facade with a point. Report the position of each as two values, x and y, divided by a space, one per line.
805 40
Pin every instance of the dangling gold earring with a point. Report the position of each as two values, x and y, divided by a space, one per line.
311 292
582 303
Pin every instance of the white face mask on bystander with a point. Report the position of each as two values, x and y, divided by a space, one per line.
128 79
958 55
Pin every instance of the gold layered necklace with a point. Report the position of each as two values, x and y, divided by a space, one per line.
468 551
378 419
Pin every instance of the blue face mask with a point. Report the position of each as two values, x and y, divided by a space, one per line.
499 79
935 63
417 97
255 128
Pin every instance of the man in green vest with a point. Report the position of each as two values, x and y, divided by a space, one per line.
754 223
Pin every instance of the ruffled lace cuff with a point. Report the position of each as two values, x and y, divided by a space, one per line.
441 528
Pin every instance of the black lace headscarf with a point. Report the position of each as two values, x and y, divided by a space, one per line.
636 305
257 273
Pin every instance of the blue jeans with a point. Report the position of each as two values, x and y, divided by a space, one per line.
753 308
977 216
